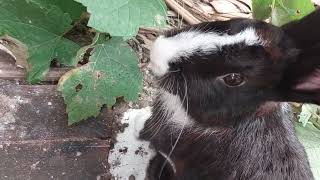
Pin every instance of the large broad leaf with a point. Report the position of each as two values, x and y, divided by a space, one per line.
112 72
124 17
281 11
40 27
309 136
73 8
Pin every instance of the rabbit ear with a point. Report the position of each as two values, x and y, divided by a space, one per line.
301 82
304 32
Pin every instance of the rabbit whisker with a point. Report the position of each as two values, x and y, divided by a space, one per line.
164 115
185 98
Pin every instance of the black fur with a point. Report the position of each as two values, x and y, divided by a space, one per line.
305 33
252 135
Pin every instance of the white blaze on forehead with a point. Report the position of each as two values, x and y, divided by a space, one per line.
169 49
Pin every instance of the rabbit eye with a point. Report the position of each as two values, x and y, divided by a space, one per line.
233 79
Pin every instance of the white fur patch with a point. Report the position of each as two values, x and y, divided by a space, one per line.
130 156
166 50
172 104
180 118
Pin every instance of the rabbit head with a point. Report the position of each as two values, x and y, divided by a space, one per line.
234 67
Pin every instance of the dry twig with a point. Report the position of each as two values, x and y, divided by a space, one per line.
186 15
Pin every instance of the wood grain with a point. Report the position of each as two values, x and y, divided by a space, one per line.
37 144
9 70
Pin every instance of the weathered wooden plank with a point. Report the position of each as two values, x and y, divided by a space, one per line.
38 112
58 160
9 70
12 72
36 142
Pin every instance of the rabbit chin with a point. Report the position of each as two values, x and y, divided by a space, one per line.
168 50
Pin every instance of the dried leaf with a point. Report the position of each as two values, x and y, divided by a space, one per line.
17 50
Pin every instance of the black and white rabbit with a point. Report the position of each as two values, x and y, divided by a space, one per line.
220 111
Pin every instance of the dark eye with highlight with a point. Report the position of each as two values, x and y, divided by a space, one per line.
233 79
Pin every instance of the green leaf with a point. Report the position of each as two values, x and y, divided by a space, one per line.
261 9
281 11
124 17
40 27
309 136
73 8
285 11
111 72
